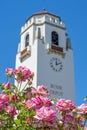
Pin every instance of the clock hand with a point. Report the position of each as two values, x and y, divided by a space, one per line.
57 63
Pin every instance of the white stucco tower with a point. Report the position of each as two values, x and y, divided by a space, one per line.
45 48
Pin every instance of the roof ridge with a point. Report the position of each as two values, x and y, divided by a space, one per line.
41 13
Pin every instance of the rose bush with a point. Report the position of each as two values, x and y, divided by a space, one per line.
29 108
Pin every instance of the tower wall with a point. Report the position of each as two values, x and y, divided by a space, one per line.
50 59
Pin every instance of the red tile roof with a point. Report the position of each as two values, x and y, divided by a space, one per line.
42 13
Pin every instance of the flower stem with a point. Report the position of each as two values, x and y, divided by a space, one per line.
20 86
43 125
25 86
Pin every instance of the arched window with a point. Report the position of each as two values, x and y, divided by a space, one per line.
27 40
54 37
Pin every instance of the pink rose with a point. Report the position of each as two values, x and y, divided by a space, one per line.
40 90
3 101
11 110
7 85
46 114
4 98
22 73
1 106
15 97
70 120
65 105
32 75
29 104
37 102
82 109
9 71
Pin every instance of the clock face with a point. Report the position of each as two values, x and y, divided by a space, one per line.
56 64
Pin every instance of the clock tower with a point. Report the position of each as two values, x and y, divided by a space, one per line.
46 49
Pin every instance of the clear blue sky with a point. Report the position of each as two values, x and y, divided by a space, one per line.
13 14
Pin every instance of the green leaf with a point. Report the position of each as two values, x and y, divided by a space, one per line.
32 113
20 94
85 98
54 99
1 84
6 91
13 86
17 122
78 127
10 95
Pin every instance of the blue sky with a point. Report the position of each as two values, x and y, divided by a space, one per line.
13 14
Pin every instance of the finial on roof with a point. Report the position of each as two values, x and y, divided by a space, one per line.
44 9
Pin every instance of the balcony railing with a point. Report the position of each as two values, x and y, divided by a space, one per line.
51 48
57 48
25 53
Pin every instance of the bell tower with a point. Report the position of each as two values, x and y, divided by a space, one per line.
46 49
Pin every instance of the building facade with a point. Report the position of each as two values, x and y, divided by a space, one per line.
45 48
